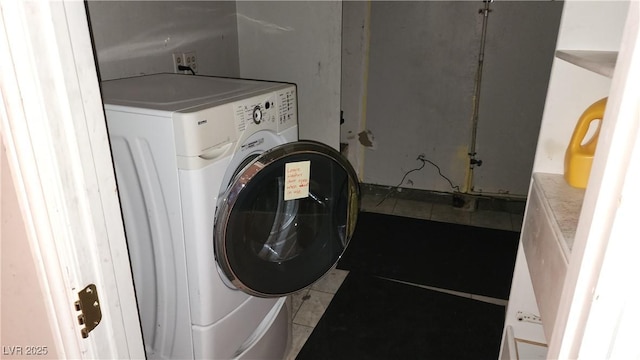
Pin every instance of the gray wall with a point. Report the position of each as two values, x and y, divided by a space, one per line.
296 42
299 42
139 37
405 85
422 62
519 53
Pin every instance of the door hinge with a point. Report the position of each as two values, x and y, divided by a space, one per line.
89 306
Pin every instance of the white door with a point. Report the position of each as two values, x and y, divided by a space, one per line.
54 131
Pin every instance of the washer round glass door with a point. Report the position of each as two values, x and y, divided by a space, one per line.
286 218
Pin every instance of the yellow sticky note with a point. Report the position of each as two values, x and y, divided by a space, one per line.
296 180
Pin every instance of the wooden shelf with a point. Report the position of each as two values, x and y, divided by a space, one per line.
600 62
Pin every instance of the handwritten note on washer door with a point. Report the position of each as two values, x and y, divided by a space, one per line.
296 180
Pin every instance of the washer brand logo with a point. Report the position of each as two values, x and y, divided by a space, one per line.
202 122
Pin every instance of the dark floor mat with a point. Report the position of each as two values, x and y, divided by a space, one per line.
373 318
450 256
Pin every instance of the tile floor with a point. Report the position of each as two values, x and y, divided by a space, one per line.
309 304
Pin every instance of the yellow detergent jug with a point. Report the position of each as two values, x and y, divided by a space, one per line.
579 155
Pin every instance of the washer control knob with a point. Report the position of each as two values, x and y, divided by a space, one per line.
257 115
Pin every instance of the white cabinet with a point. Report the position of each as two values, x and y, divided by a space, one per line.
562 237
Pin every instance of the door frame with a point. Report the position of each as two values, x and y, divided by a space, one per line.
598 313
54 130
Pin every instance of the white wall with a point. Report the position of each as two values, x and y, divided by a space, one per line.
139 37
299 42
24 315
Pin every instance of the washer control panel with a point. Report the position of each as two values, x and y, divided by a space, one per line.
275 110
287 108
259 110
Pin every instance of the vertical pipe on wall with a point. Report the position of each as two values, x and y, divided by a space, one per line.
365 85
476 98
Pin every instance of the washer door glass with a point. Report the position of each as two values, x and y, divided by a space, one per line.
286 218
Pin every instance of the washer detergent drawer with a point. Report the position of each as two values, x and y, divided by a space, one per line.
240 330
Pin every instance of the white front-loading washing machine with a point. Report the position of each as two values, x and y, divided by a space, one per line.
225 211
